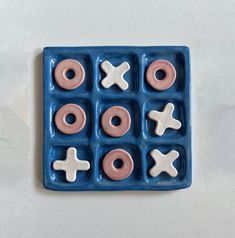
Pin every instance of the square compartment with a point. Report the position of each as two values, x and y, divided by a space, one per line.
55 179
135 177
178 113
182 165
52 61
59 137
177 59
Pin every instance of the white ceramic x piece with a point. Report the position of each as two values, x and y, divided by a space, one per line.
115 75
71 164
163 163
164 119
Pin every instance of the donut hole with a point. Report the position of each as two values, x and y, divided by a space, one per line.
118 163
70 118
160 74
70 74
116 121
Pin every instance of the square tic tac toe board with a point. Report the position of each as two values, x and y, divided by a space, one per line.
117 118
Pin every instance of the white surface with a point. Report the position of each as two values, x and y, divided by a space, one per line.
207 209
163 163
114 75
164 119
71 164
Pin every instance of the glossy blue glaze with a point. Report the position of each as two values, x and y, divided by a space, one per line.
92 143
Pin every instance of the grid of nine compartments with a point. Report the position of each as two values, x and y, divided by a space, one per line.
92 143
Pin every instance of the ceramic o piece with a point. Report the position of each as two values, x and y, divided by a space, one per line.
60 74
118 173
125 121
63 125
167 81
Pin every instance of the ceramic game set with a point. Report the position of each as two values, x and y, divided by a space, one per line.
117 118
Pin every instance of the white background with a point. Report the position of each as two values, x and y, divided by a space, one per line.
207 209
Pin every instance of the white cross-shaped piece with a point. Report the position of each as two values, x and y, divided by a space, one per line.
163 163
164 119
114 75
71 164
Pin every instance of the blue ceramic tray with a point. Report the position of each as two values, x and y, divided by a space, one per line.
92 143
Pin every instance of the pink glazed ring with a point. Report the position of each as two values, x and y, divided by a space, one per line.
70 128
167 68
113 172
60 74
125 121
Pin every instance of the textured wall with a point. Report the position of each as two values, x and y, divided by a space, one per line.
207 209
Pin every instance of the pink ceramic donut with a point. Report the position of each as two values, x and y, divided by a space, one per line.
63 125
118 173
169 78
122 114
60 74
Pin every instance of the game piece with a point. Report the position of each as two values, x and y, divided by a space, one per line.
164 119
70 128
115 75
116 130
164 163
169 74
111 170
69 83
116 118
71 164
